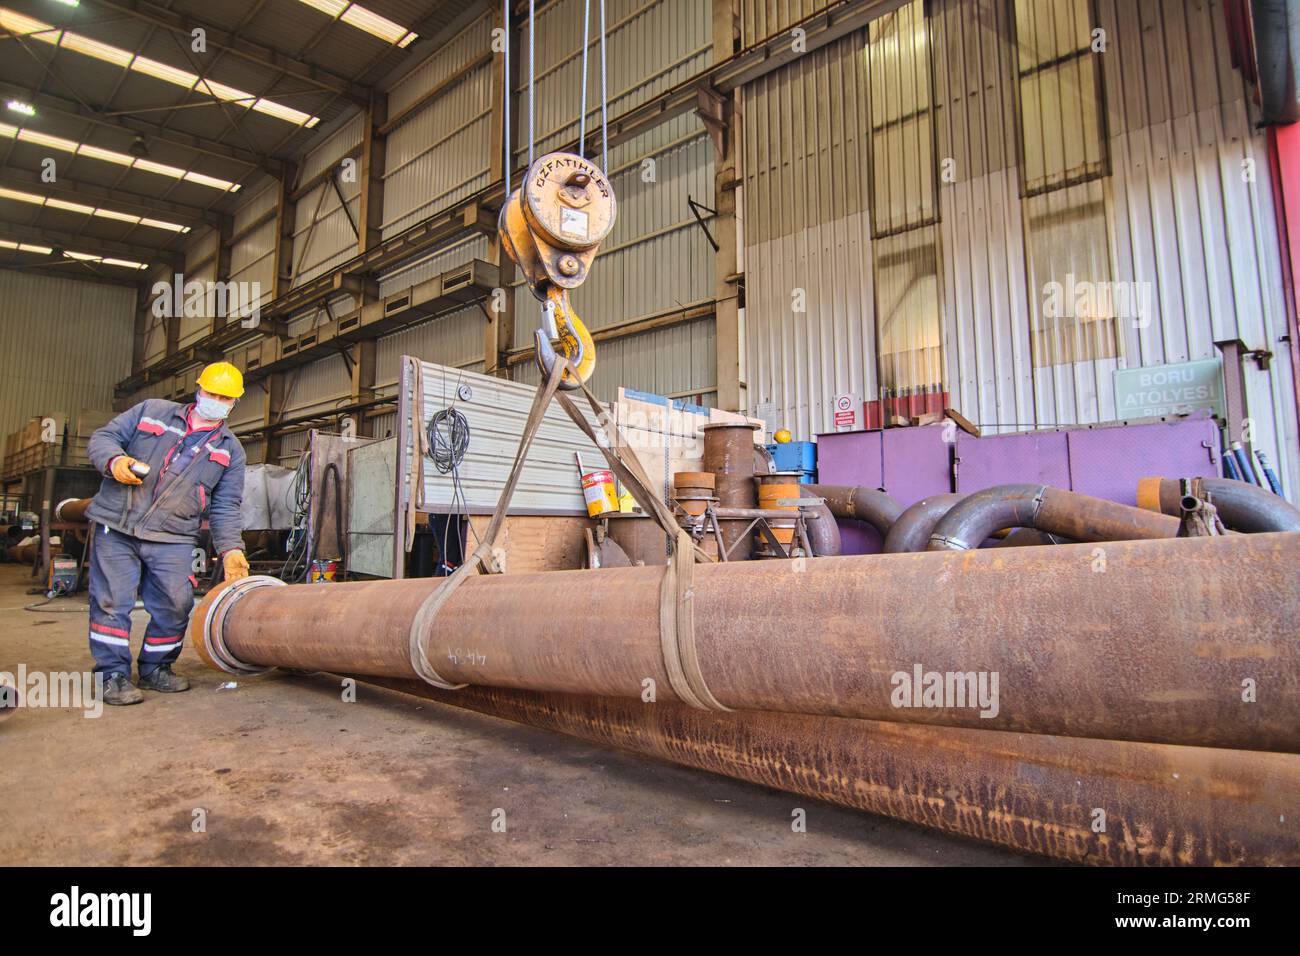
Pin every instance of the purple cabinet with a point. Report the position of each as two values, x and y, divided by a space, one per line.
1034 458
911 463
1107 463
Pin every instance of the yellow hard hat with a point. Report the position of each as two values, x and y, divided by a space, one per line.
783 436
222 378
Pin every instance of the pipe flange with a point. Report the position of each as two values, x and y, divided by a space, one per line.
214 621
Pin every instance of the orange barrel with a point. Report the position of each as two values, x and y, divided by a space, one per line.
773 488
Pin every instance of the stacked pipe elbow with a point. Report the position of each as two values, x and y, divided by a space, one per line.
1078 517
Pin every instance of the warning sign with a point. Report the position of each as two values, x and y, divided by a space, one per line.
846 411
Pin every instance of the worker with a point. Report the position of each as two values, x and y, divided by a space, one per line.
145 528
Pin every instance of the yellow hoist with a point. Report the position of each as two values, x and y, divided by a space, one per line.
553 224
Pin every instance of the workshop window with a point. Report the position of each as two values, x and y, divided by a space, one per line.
904 203
907 310
1073 308
1063 158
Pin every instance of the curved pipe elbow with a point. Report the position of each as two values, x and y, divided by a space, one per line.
824 534
911 532
859 503
975 518
1043 508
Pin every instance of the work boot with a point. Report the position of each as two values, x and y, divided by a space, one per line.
164 681
118 689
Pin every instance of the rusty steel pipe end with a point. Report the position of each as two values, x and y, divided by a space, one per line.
206 624
1241 506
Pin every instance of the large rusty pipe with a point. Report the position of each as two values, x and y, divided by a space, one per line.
24 553
1163 805
1144 648
911 532
72 510
1242 506
859 503
1068 513
729 455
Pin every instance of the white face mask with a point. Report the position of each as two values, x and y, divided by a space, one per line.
211 409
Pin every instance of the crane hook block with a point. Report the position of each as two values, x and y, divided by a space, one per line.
552 227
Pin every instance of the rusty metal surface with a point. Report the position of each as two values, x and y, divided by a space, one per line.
640 536
1030 538
912 529
1243 507
72 510
1141 643
1163 805
729 455
857 503
23 553
1068 513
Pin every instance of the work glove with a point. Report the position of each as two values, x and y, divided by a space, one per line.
121 470
235 565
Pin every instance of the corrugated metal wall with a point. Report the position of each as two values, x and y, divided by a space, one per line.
324 231
200 266
809 287
760 19
155 335
441 152
455 338
66 344
252 258
651 45
657 258
1175 211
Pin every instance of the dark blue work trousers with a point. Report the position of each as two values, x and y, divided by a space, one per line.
160 573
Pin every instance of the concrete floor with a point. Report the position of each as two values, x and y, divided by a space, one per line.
287 773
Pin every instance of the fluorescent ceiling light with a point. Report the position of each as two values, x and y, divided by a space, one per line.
54 203
25 247
358 16
18 106
79 256
20 25
109 156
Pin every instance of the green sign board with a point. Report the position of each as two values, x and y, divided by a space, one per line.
1157 390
